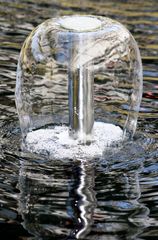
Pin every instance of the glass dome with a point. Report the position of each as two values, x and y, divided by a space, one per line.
75 70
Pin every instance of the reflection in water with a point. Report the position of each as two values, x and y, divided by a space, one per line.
119 212
58 201
17 20
83 200
53 207
42 201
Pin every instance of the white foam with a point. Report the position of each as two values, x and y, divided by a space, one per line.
57 143
80 23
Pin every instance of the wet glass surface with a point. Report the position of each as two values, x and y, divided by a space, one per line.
115 197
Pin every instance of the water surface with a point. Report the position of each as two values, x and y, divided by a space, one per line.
115 197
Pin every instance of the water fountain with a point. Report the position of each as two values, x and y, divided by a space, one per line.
84 72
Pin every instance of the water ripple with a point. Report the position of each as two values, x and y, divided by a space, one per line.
114 197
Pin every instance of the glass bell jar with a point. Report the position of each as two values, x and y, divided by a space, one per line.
74 71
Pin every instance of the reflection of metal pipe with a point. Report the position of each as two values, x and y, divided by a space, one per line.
87 205
84 202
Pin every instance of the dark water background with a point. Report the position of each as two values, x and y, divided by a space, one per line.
112 198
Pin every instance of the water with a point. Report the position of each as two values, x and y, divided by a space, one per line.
70 77
114 197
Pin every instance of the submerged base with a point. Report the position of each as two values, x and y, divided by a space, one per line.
57 143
